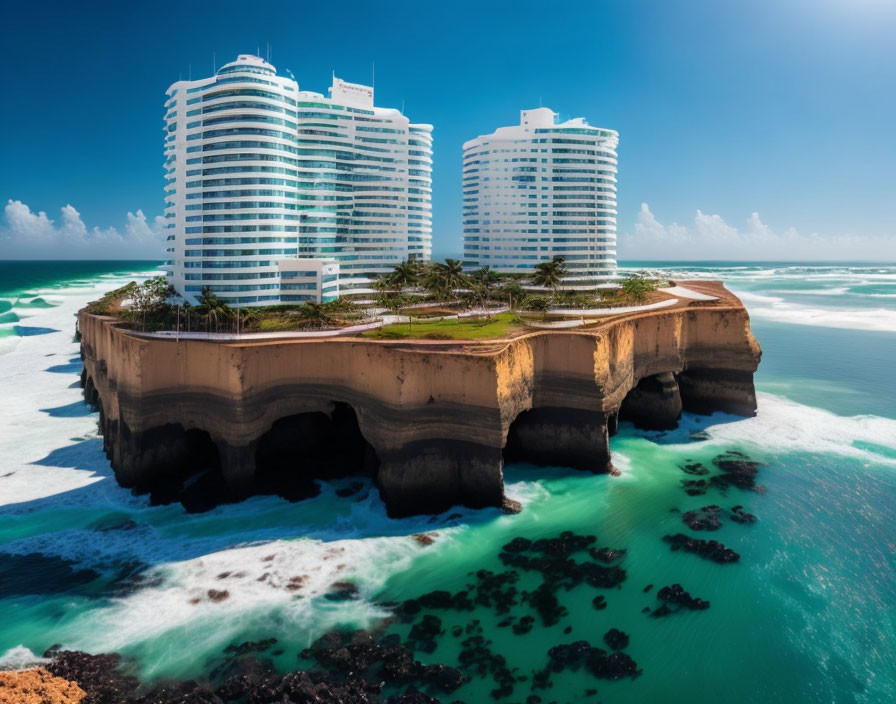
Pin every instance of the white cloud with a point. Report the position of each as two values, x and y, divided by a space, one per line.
711 238
30 235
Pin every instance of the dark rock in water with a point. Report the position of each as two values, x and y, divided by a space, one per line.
544 601
706 518
698 435
478 659
694 468
737 470
249 646
695 487
551 557
606 555
542 679
412 696
188 692
443 677
567 630
217 595
524 625
131 577
304 686
240 675
738 515
517 545
342 591
599 602
438 599
407 610
647 588
360 655
612 667
676 596
510 506
568 656
598 662
604 577
113 523
646 610
661 611
707 549
423 635
457 631
616 639
101 676
533 699
424 538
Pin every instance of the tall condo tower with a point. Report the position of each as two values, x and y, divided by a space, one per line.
540 189
280 195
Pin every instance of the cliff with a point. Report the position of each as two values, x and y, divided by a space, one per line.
432 422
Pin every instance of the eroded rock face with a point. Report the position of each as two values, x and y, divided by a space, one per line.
431 422
654 403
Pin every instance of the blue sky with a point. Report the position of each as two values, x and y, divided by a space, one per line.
764 127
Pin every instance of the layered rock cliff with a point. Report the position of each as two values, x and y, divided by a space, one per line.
432 422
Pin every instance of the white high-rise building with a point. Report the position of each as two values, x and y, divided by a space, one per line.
277 194
540 189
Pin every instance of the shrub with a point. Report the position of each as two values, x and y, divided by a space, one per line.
275 325
436 335
638 288
390 334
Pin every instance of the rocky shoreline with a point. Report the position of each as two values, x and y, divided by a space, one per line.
38 686
206 422
382 666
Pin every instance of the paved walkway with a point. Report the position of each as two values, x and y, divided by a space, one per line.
593 312
683 292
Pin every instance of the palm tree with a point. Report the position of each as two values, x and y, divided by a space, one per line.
213 306
486 277
404 275
484 281
382 283
514 292
442 279
315 314
549 274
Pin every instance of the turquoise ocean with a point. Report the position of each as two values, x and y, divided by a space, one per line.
808 613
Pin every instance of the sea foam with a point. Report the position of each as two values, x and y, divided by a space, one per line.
776 308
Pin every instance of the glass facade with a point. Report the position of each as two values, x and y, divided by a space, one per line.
326 178
539 190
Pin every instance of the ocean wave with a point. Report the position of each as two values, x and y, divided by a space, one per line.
779 309
214 595
833 291
20 658
782 425
36 302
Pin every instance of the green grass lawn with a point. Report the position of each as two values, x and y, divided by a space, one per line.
463 329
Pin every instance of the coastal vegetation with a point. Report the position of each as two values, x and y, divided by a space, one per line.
435 300
481 327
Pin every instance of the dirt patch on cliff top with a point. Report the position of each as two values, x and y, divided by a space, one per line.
37 687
